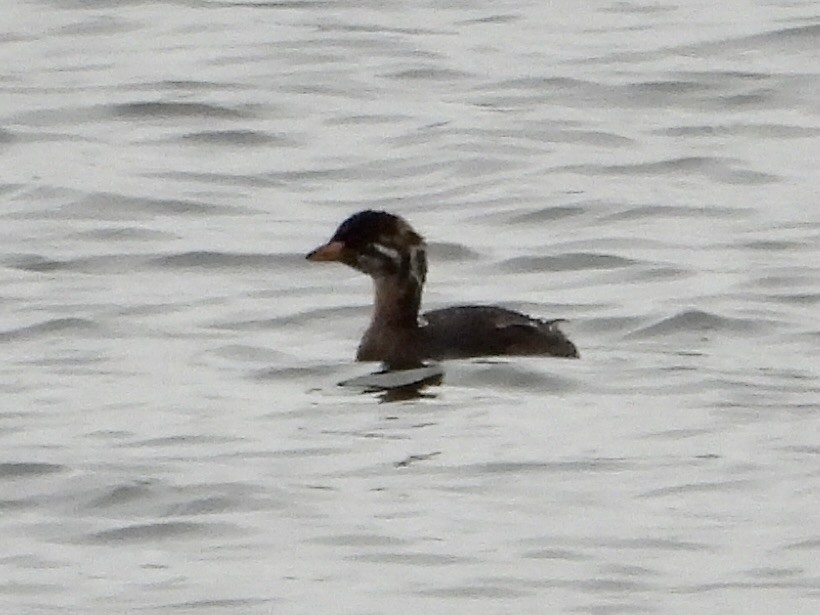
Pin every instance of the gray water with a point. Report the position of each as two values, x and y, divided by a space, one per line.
173 436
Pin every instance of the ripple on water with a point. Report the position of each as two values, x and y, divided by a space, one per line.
516 376
6 136
110 263
9 471
698 321
483 589
555 554
429 74
359 540
551 213
301 317
442 251
410 559
560 467
175 110
643 212
153 532
793 39
129 263
740 129
234 138
123 233
701 487
565 262
107 206
48 328
226 260
716 169
154 498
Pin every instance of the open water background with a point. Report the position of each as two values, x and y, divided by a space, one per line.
172 439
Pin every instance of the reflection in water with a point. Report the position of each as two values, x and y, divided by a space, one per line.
409 392
399 385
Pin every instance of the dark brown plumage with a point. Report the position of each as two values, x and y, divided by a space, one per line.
387 248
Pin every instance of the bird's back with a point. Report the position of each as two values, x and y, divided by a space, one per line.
473 331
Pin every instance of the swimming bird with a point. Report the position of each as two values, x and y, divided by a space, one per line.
385 247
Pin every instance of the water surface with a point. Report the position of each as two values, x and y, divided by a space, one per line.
174 439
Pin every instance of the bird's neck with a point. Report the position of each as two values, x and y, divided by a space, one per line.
394 336
397 302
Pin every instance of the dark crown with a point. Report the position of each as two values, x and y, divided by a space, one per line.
369 226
